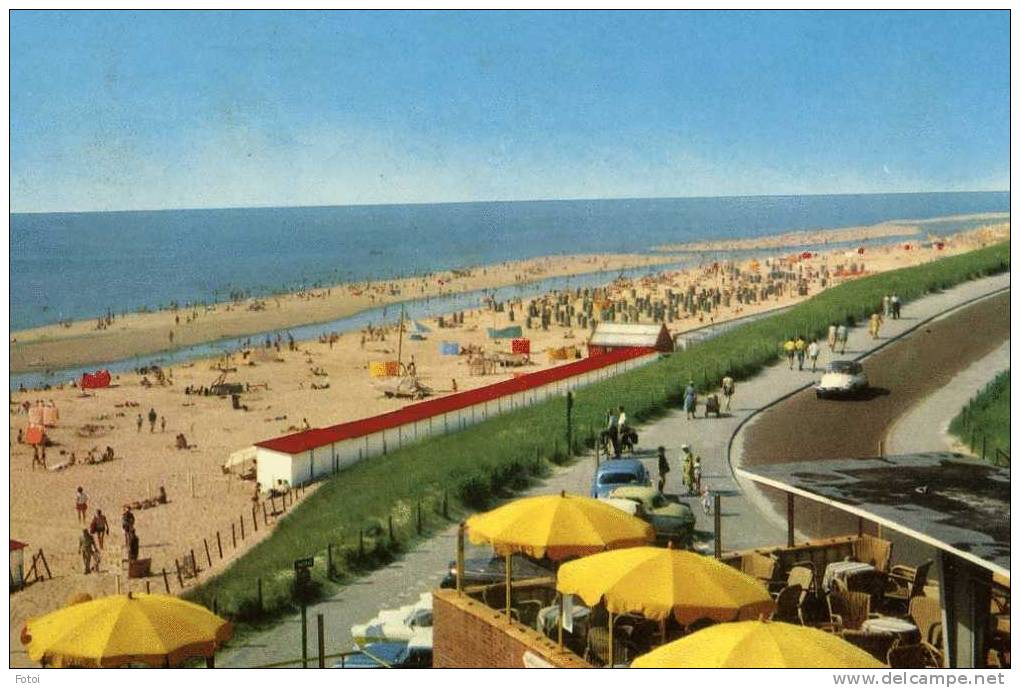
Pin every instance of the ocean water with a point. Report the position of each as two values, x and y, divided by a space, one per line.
78 265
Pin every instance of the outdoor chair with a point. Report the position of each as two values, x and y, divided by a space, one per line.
802 574
927 616
875 551
875 644
904 583
758 566
788 605
527 611
597 650
921 656
848 610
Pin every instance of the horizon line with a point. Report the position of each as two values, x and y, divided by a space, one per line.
478 202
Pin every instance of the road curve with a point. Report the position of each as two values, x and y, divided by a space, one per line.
803 428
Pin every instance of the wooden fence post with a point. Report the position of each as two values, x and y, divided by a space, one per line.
304 636
259 585
147 588
241 519
219 544
419 523
265 515
208 557
180 578
233 534
194 563
166 582
446 504
254 521
322 641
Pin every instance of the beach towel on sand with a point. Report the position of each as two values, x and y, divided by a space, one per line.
96 380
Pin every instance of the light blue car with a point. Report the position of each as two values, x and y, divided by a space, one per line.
617 473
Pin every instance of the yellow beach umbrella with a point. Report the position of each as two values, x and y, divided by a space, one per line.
758 645
158 630
553 526
656 582
557 527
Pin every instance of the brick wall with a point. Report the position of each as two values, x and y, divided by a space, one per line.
468 634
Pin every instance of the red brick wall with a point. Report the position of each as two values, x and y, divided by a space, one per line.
467 634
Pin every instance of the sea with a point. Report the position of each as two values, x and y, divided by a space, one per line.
80 265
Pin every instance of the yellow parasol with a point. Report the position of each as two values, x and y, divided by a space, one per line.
157 630
553 526
656 582
758 645
558 527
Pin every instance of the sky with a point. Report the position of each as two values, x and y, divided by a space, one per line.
147 110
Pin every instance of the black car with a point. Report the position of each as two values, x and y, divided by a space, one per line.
490 570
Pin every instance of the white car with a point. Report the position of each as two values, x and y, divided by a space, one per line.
842 378
396 625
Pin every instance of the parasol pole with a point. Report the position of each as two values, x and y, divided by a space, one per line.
509 570
559 624
400 339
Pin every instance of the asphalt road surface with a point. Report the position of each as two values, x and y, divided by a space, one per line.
804 428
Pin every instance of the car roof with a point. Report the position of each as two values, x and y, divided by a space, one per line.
621 466
635 490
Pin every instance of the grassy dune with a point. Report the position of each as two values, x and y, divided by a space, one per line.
354 510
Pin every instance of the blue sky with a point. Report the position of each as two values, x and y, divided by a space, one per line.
122 110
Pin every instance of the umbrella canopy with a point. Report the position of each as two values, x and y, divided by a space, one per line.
655 582
112 631
557 527
758 645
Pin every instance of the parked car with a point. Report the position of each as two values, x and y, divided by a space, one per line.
842 378
491 570
395 625
617 473
673 521
415 654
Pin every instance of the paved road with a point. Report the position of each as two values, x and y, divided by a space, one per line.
925 427
745 522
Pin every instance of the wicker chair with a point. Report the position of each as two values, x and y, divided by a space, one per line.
921 656
848 610
903 584
874 551
597 649
927 616
875 644
788 605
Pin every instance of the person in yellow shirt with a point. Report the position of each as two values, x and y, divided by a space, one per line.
800 346
790 347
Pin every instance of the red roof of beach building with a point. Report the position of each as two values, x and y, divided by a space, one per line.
319 437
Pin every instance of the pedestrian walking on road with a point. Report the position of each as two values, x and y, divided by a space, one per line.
706 500
728 387
663 468
613 432
690 399
800 345
895 306
874 323
812 352
697 475
841 337
790 347
688 468
886 305
832 337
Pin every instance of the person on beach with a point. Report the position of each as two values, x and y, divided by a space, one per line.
812 352
663 468
99 527
152 420
87 549
841 337
728 387
690 399
162 423
832 337
800 345
140 422
790 347
133 545
81 504
127 523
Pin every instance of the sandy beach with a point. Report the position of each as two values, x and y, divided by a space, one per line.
136 334
318 382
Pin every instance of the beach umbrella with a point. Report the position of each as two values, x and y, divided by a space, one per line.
656 582
556 527
758 645
118 630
